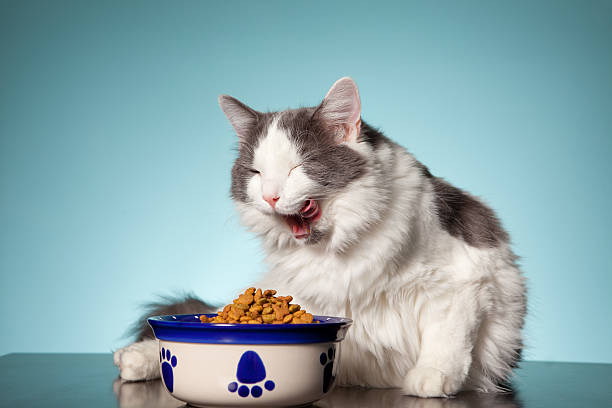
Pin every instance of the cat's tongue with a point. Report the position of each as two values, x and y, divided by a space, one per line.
299 226
300 223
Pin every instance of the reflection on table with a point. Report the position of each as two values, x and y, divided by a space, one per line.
152 394
90 380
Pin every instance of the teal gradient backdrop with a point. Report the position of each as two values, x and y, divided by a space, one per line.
115 158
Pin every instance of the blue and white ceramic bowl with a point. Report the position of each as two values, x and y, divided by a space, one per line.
208 364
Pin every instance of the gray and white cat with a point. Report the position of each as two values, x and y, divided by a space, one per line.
353 225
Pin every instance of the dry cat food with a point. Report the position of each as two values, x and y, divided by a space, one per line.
257 307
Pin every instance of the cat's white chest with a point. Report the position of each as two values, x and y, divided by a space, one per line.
383 329
319 283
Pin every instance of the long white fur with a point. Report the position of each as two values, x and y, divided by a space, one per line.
432 315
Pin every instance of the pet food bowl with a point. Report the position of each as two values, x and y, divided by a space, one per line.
206 364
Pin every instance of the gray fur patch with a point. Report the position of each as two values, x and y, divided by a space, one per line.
371 136
316 235
241 171
517 358
168 305
333 166
424 170
465 217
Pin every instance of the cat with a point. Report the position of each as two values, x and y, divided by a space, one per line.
353 225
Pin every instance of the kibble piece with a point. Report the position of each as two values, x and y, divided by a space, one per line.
307 318
245 299
234 315
268 318
258 295
279 311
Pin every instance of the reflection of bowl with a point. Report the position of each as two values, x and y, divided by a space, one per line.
248 364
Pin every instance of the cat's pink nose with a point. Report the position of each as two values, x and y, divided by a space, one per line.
271 200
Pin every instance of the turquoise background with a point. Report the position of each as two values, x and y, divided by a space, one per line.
115 158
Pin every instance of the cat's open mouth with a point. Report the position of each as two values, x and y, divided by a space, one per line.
300 223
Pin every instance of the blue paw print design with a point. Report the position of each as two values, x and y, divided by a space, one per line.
250 370
327 361
168 362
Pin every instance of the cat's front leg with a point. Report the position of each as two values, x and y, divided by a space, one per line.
448 326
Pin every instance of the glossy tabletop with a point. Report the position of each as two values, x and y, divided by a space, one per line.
90 380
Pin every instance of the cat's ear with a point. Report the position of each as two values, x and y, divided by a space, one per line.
341 110
242 118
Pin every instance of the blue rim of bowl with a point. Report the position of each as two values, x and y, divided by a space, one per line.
187 328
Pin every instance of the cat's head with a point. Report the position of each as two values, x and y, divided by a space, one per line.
294 167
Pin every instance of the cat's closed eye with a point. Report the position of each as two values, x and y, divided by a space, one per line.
294 167
254 171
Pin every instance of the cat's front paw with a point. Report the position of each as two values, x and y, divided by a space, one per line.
430 382
138 361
